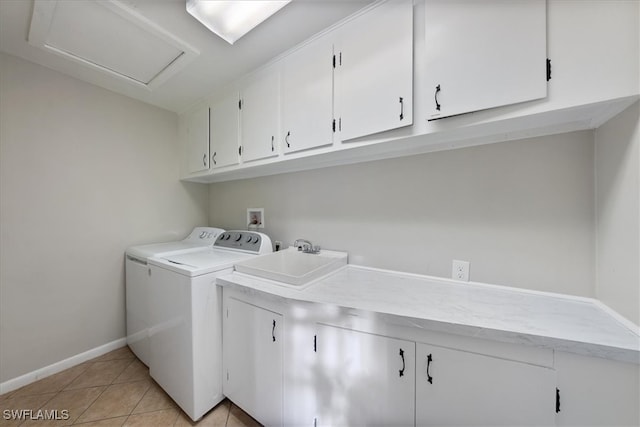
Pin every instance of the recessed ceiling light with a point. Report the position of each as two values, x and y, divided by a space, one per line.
232 19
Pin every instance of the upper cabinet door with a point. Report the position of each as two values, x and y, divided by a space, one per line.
484 54
198 140
223 131
307 97
374 71
259 116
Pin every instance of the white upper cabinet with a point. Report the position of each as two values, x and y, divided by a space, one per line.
459 388
307 97
374 71
197 130
259 116
484 54
223 131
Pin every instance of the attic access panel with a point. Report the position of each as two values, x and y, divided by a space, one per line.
110 38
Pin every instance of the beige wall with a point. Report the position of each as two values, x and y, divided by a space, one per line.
521 212
84 173
618 213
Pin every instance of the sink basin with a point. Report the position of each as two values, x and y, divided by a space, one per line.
291 267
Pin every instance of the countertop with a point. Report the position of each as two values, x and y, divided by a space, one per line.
560 322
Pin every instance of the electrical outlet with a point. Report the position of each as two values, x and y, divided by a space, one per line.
460 270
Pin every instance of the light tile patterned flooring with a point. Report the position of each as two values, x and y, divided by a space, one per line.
111 390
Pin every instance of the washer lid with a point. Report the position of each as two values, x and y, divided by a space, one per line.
155 249
199 262
206 258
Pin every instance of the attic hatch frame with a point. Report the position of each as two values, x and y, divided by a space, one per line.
42 20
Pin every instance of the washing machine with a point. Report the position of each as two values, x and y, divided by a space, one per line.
137 281
186 318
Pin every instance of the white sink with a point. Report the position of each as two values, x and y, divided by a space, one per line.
292 267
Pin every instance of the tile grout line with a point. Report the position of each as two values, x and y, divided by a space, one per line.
106 386
226 422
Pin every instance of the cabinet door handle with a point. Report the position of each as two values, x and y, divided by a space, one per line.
273 331
429 377
435 97
213 158
204 159
403 365
401 109
272 147
286 139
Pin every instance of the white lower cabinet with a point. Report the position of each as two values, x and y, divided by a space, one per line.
363 379
339 376
596 391
461 388
252 360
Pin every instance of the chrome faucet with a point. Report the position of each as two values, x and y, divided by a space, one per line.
306 246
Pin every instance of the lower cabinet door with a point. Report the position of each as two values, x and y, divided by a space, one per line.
252 359
459 388
363 379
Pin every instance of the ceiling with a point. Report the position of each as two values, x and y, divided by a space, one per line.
209 63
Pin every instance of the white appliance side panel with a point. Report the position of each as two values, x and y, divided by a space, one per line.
171 344
206 303
185 339
137 303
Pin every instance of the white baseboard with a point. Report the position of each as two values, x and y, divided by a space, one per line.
54 368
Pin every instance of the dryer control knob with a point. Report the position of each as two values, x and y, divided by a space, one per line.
239 237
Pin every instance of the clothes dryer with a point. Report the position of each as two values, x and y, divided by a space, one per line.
137 281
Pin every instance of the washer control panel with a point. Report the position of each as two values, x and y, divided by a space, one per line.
246 241
206 235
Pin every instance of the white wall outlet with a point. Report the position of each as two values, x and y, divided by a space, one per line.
460 270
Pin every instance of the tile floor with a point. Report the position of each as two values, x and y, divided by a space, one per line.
111 390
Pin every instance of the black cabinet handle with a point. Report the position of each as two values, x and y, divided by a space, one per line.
429 377
272 147
403 366
273 331
436 97
204 159
401 109
286 139
214 158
